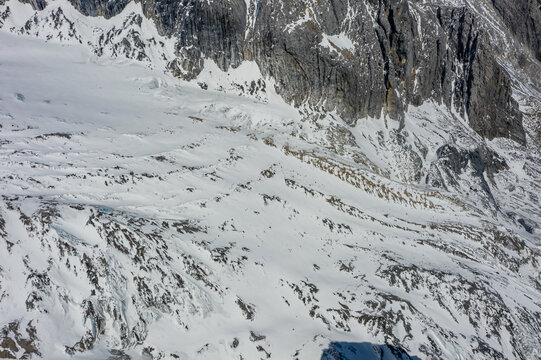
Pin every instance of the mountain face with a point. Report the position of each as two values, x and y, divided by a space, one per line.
240 179
358 58
409 51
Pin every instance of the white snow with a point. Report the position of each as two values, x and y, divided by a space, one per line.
119 155
337 42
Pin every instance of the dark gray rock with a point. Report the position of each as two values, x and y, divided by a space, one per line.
214 30
36 4
106 8
523 18
481 164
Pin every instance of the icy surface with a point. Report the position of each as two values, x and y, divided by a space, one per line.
143 215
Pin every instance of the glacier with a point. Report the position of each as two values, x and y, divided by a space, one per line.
146 216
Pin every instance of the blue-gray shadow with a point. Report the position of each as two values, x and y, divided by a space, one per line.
364 351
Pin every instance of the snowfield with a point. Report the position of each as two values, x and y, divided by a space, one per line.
145 217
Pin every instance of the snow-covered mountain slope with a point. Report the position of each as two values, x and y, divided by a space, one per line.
143 216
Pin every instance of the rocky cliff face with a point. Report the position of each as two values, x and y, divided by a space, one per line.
360 59
523 19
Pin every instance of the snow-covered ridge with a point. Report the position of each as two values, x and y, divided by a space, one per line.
126 36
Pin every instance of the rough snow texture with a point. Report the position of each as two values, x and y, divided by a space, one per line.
144 216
